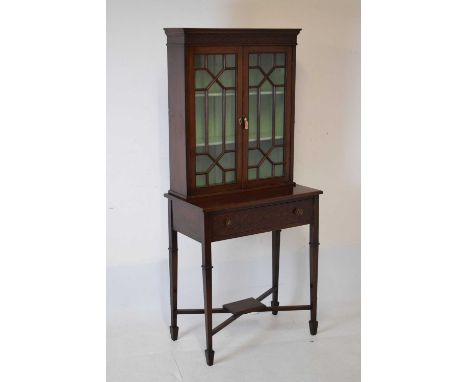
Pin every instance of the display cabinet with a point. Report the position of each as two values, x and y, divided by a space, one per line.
231 145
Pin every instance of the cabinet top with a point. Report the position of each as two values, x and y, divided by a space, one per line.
252 198
231 36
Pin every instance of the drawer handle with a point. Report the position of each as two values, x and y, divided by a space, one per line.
298 211
228 222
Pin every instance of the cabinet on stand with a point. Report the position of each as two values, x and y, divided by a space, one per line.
231 145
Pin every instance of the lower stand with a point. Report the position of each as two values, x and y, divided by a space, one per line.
248 305
313 267
274 304
173 264
209 355
275 251
313 325
207 293
174 332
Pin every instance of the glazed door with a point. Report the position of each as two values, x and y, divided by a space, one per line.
239 103
215 74
267 104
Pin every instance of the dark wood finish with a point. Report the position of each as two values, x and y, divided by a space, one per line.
182 45
252 198
207 292
288 124
188 219
235 316
245 207
225 323
255 220
217 218
275 241
200 311
263 309
286 308
265 294
173 274
232 36
191 51
313 262
246 305
176 70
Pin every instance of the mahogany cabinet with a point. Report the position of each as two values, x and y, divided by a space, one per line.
231 104
231 145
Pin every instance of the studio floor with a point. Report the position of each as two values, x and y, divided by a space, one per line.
256 347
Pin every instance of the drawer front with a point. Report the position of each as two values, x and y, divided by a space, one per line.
250 221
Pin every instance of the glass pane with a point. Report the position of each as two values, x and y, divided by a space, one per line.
230 177
266 61
279 170
280 59
201 180
215 176
230 60
230 145
215 119
254 157
255 76
200 121
266 170
253 117
253 59
228 78
202 163
202 79
215 63
230 120
228 161
199 61
266 115
276 155
279 115
277 76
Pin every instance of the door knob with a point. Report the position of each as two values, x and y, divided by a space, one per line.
246 123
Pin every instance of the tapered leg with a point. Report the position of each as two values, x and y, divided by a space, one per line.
207 292
275 267
313 263
173 274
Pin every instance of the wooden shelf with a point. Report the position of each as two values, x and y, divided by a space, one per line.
244 306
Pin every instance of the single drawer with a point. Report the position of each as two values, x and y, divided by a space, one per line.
260 219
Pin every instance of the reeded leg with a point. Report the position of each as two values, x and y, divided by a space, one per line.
275 267
313 263
173 275
207 292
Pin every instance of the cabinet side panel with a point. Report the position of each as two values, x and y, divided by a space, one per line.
177 128
292 121
188 219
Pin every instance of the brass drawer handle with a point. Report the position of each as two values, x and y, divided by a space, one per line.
228 222
298 211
